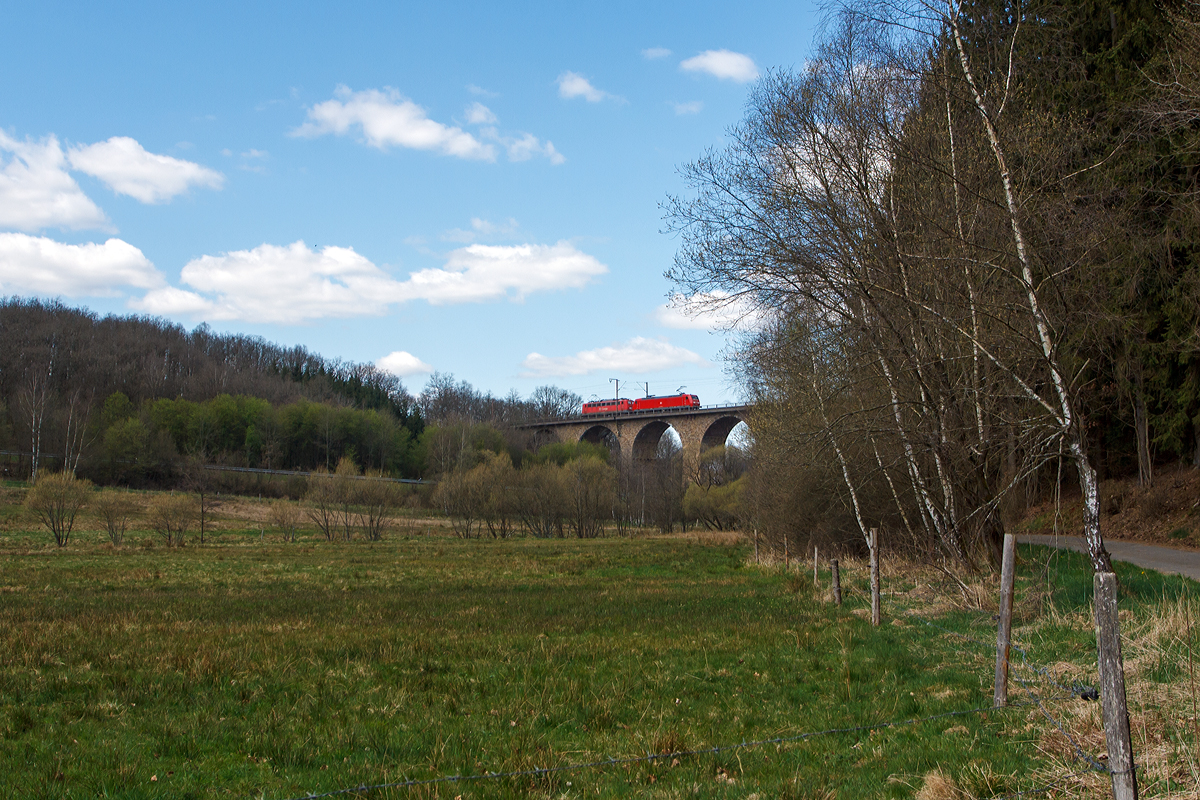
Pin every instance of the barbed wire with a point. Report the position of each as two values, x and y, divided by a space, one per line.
1075 690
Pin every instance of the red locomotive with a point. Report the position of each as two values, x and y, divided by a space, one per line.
607 406
651 403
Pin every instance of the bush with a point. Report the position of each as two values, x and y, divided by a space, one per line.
171 515
114 509
56 500
321 502
716 507
286 517
376 498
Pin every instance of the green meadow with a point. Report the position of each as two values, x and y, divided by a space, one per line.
249 667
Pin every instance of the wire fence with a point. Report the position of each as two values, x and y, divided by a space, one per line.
1076 690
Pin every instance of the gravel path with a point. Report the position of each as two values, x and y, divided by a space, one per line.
1150 556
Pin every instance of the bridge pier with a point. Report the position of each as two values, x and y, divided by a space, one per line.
635 436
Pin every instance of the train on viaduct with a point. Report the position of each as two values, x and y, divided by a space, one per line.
634 433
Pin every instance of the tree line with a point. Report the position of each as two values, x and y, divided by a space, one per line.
578 489
134 400
967 236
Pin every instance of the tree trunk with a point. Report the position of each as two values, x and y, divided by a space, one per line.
1141 424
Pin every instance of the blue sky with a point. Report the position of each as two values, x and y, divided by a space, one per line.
472 188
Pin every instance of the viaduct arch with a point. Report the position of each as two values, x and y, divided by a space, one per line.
635 435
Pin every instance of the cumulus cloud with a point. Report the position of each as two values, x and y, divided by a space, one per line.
280 284
479 114
488 272
639 355
693 107
708 312
170 301
128 168
572 85
651 53
387 118
36 191
723 64
403 364
37 265
294 284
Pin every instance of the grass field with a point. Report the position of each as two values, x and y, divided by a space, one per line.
253 668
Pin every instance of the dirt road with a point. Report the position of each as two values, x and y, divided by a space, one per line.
1162 559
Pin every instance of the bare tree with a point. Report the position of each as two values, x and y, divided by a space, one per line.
115 509
321 503
285 516
591 485
378 498
171 515
56 499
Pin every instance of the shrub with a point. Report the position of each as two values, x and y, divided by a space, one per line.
286 517
376 498
321 502
56 499
114 509
171 515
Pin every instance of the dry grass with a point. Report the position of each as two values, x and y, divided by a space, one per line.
936 786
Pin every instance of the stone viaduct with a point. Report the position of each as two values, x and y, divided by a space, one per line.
635 435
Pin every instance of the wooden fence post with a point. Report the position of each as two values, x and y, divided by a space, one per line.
814 566
787 559
837 582
874 576
1112 688
1004 630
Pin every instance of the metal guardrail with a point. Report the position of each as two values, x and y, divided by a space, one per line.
300 474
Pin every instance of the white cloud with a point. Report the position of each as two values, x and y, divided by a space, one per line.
288 284
528 146
479 114
38 265
387 118
36 191
403 364
724 64
481 227
651 53
693 107
294 284
127 168
639 355
572 85
171 302
480 91
489 228
488 272
708 312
